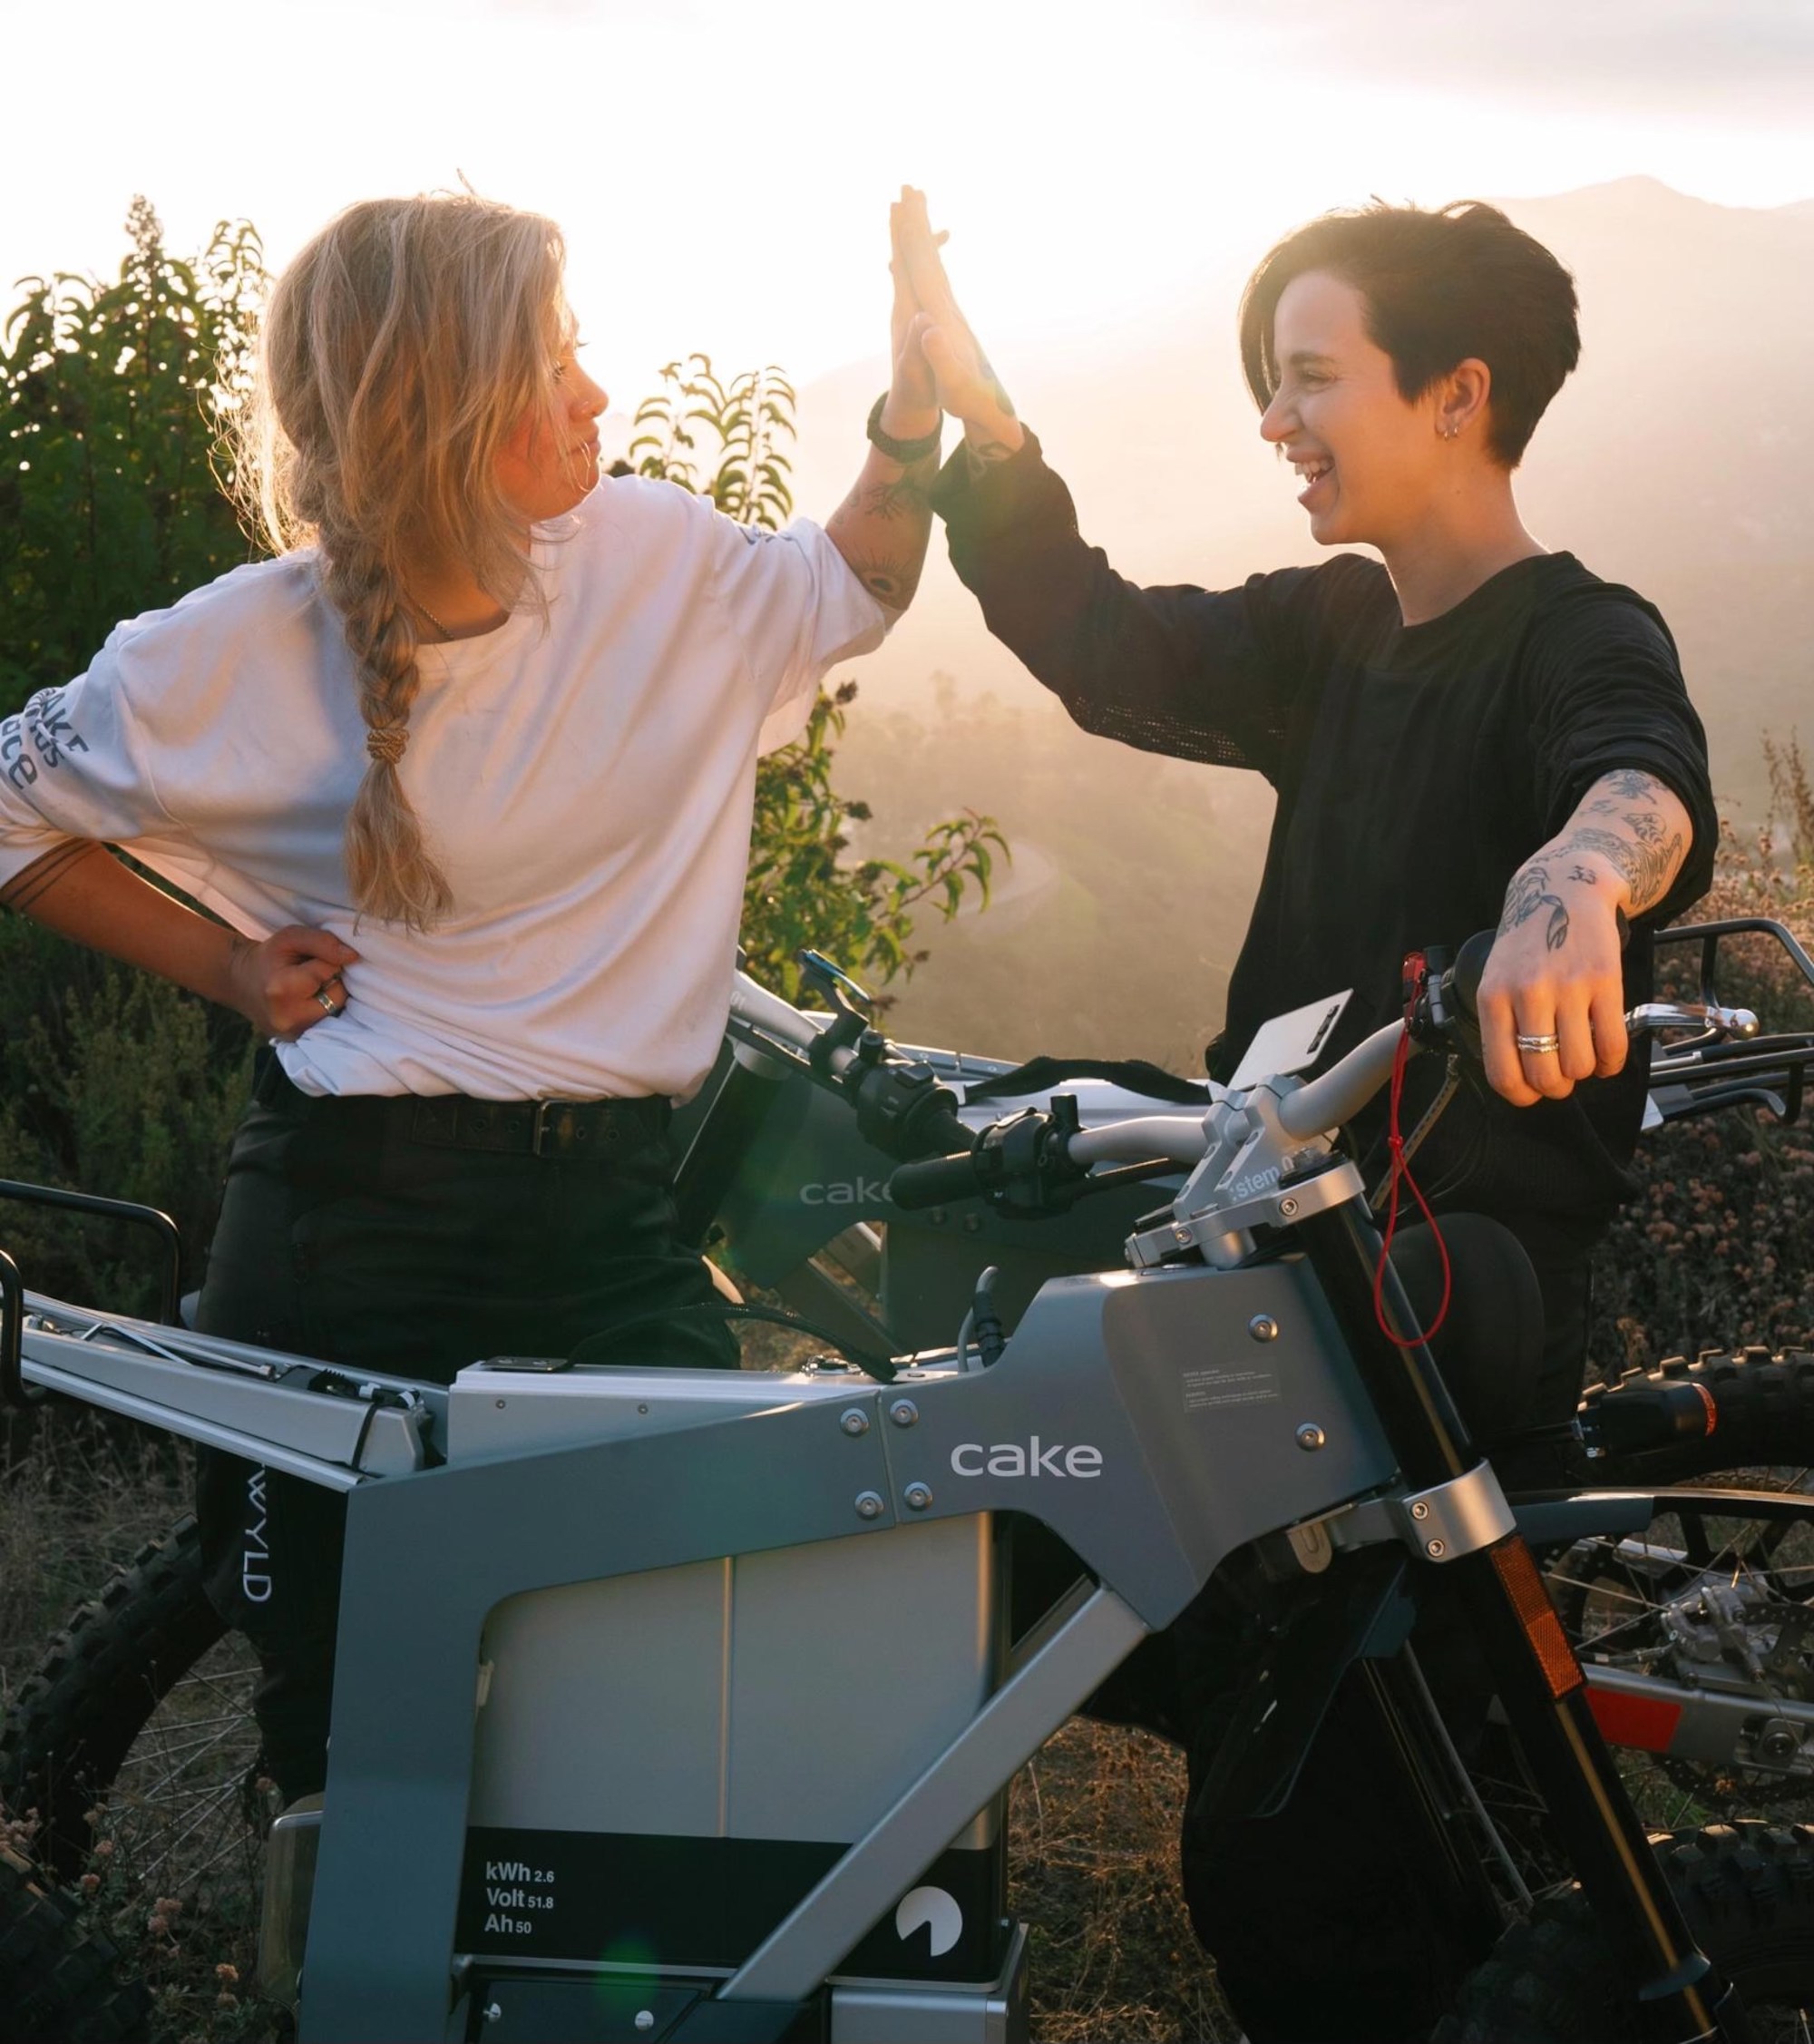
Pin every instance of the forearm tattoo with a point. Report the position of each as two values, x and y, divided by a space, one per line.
980 455
886 528
1528 892
906 497
1635 843
23 890
1646 866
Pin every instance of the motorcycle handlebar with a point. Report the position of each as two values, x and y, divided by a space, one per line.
1469 968
933 1180
1310 1110
755 1004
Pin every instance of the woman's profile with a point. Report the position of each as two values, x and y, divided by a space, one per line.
465 774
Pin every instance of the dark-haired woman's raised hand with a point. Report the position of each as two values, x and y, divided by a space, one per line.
967 387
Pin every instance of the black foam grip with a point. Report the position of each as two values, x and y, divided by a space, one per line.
940 1135
934 1180
1470 964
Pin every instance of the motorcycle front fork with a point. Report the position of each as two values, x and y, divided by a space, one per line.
1544 1693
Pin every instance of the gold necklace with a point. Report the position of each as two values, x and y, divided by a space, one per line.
430 615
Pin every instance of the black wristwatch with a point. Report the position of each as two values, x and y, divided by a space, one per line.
906 452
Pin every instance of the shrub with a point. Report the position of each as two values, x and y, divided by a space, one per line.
1718 1248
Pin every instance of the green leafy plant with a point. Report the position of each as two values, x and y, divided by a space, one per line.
747 420
114 398
118 1082
803 890
1714 1249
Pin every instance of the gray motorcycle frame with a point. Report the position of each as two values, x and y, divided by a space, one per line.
1154 1424
1198 1429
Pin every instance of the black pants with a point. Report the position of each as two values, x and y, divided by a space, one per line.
1321 1919
342 1237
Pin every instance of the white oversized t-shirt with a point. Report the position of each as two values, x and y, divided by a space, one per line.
585 786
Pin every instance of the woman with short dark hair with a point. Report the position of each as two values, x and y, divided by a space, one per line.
1438 288
1469 730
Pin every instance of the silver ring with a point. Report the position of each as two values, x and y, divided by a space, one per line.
324 1003
1545 1046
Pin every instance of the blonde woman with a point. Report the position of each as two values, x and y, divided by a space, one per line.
467 771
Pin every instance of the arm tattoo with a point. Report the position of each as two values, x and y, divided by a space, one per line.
887 575
1528 892
880 528
25 889
1631 784
904 497
1585 874
982 455
1645 828
1646 868
889 580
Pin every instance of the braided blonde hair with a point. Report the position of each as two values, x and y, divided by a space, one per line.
400 350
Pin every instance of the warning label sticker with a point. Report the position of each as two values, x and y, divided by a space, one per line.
1205 1389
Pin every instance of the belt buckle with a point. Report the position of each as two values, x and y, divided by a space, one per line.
539 1132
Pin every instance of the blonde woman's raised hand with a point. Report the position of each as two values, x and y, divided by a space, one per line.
967 387
290 981
913 388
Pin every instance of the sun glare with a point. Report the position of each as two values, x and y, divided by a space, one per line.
1100 175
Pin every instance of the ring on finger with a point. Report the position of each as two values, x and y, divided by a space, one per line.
323 1001
1544 1046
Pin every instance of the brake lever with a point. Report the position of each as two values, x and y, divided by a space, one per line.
836 984
1707 1016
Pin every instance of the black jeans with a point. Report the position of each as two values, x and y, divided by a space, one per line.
1322 1919
342 1237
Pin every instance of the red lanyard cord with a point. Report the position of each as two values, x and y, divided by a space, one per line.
1401 1172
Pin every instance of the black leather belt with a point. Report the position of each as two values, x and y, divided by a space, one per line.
525 1128
570 1129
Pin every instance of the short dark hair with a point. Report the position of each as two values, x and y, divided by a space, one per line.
1438 286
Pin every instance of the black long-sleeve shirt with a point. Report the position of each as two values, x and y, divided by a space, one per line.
1416 767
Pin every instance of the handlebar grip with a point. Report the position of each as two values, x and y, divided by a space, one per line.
933 1180
1470 965
940 1135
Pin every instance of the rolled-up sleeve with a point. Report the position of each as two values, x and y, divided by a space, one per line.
1610 695
73 763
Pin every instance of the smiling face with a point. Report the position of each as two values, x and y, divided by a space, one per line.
1372 464
550 460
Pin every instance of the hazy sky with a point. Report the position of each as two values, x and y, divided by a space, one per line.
722 171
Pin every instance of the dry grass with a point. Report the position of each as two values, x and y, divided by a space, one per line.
1093 1858
79 1495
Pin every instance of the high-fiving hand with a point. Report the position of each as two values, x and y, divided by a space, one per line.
965 385
912 388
